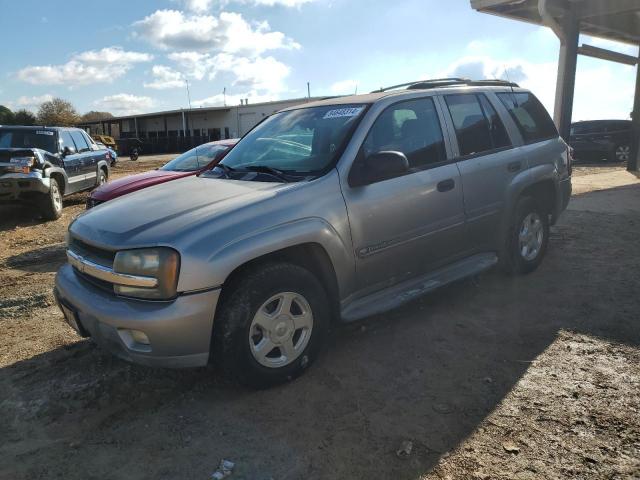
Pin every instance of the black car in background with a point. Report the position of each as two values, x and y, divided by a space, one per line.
601 139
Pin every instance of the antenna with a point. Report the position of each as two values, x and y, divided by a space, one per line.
513 93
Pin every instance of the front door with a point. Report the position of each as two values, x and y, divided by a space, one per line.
71 161
87 162
403 227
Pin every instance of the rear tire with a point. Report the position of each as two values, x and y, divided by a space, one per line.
51 203
528 237
102 177
271 325
621 153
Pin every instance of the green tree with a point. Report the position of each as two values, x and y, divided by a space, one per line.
57 113
6 116
24 117
95 116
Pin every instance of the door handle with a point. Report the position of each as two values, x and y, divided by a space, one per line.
446 185
514 166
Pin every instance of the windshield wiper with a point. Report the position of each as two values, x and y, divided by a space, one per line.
274 172
225 168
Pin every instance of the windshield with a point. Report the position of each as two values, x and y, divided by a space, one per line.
19 138
303 141
196 158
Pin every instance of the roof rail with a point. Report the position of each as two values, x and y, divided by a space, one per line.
449 82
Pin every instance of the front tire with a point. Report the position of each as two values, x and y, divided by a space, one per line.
51 203
271 325
528 237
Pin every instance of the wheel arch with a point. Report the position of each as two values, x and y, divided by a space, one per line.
311 256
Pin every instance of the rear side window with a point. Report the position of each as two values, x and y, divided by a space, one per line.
478 126
410 127
80 141
530 116
66 141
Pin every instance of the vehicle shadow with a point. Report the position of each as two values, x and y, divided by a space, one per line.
430 372
47 259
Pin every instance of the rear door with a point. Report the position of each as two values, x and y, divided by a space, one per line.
486 162
71 161
405 226
86 161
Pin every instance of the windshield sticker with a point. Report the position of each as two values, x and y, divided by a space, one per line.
343 112
44 132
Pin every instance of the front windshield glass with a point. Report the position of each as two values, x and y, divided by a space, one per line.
195 159
27 138
298 142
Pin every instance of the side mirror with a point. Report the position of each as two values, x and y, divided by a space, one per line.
67 151
384 166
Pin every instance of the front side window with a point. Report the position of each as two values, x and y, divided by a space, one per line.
477 124
412 128
195 159
79 140
301 142
530 116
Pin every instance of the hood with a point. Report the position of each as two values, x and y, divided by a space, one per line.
160 214
129 184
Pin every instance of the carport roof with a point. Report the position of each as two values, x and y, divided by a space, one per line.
617 20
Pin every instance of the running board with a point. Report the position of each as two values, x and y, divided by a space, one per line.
408 290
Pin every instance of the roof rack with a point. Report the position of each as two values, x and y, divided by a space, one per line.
449 82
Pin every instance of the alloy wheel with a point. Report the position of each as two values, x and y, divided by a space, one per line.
281 329
531 236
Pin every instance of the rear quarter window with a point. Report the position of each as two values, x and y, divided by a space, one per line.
529 115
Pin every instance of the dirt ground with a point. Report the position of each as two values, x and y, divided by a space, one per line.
495 377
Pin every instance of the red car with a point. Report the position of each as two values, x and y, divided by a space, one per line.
195 161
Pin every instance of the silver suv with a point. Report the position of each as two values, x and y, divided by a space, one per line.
334 210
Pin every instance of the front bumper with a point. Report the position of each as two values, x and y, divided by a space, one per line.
20 186
179 331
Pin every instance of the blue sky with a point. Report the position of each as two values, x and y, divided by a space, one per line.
135 56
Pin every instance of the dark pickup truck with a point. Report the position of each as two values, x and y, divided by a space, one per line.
41 165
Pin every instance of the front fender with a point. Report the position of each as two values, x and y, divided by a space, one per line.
224 260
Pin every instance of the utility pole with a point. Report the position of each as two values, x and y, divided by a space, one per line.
308 90
224 96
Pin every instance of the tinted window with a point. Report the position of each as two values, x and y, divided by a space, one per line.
79 140
412 128
530 116
195 158
478 126
26 138
66 141
618 126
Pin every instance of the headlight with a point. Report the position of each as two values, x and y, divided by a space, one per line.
22 164
163 264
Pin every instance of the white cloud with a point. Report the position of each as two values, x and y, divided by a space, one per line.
228 32
219 100
31 103
198 6
93 66
194 64
344 87
124 104
202 6
260 73
165 78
